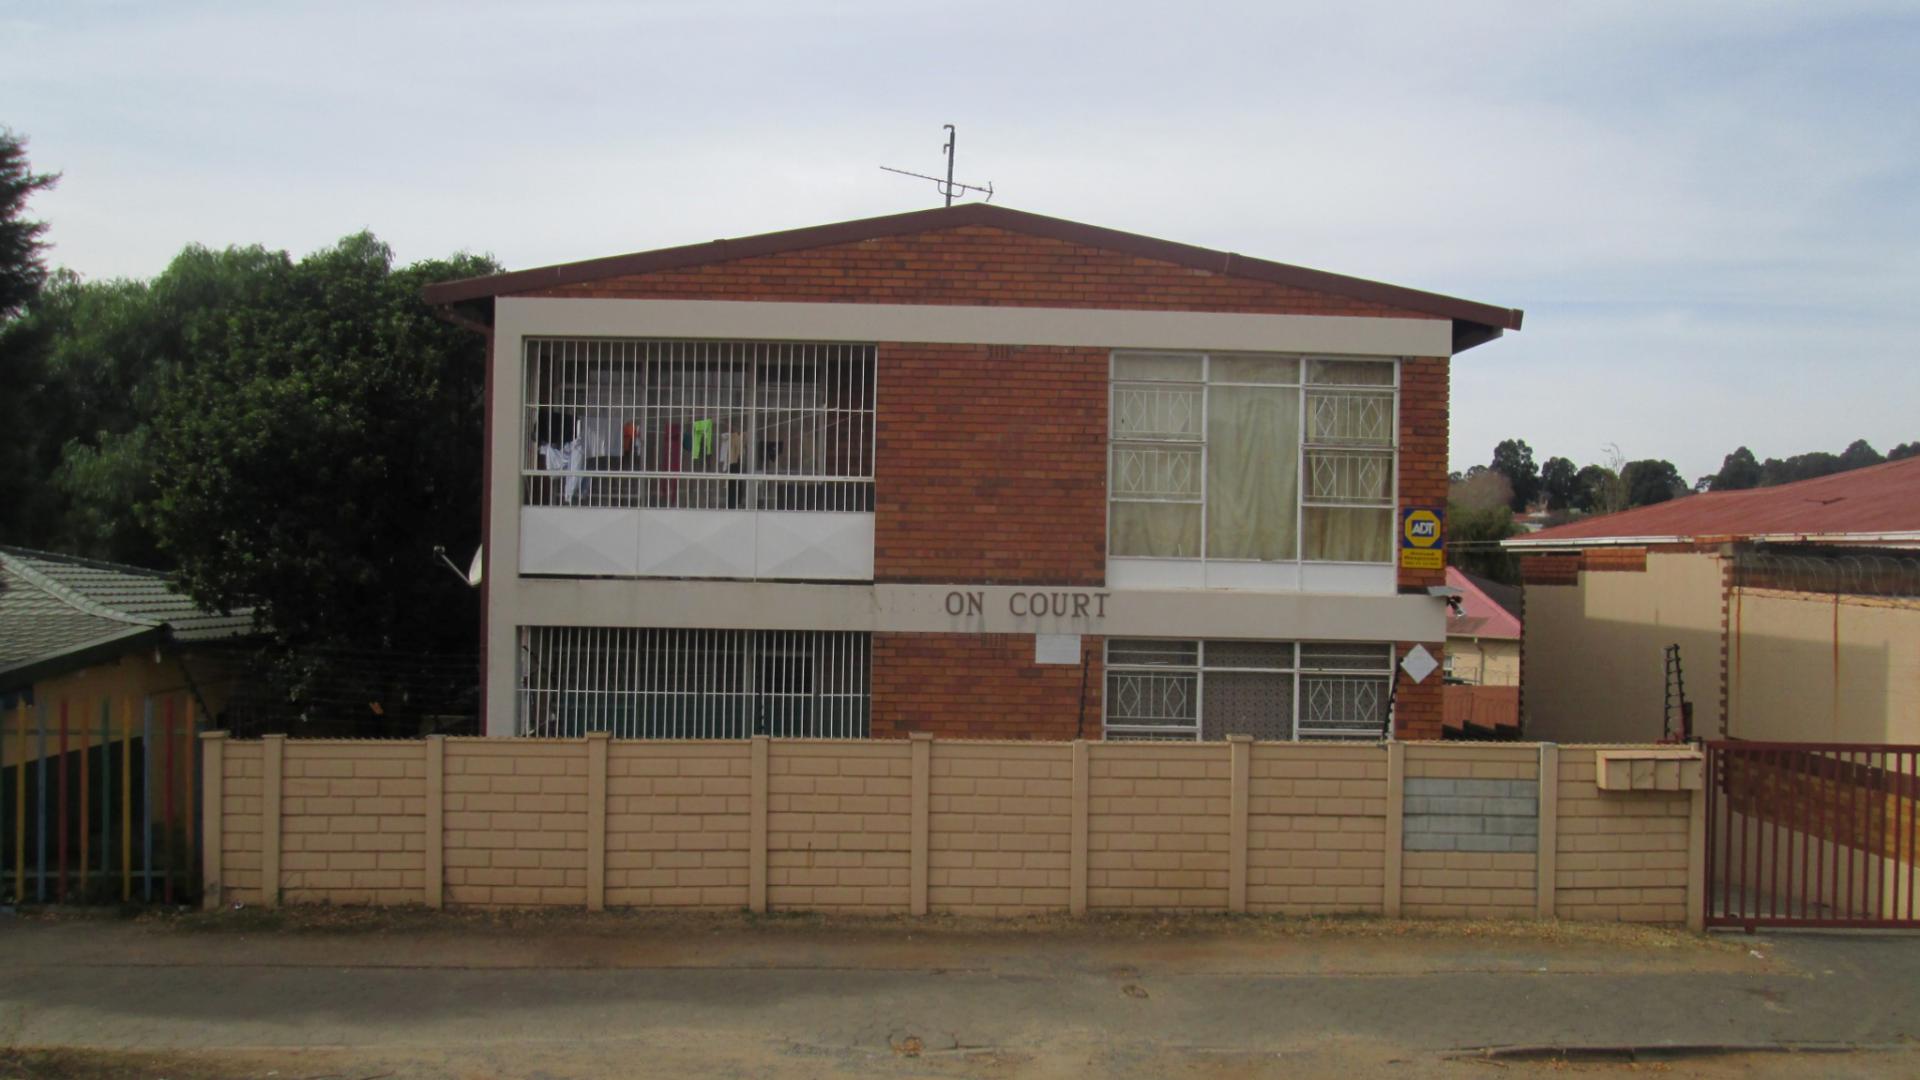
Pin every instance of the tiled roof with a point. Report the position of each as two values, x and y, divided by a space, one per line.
52 605
1880 503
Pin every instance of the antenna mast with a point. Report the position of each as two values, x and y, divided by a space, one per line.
947 188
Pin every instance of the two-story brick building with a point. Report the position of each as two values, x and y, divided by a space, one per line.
970 471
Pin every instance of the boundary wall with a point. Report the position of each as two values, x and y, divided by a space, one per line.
921 825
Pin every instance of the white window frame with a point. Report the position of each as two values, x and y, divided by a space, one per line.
1301 673
1301 383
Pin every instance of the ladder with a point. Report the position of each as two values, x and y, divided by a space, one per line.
1676 712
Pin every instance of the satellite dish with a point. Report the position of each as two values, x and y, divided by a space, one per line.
476 567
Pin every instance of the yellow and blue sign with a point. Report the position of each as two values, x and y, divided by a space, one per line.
1423 538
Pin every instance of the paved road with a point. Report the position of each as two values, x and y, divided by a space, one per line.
722 998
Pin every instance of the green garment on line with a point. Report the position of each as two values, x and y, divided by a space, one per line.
702 438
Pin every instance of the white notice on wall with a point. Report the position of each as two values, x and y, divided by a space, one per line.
1056 648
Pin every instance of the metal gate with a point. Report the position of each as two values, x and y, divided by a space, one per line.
1812 834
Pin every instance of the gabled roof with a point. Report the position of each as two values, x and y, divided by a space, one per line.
61 611
1488 609
1879 504
1474 323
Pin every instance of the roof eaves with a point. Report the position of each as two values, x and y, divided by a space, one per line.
1537 543
1475 323
77 656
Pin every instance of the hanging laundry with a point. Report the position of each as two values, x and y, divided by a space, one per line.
729 448
702 439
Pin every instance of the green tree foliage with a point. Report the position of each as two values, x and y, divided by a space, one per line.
1513 458
1474 533
23 273
1738 471
1560 483
1650 481
1598 490
23 267
1859 454
325 439
1903 451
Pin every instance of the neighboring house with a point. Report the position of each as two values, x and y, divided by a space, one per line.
83 632
1482 697
1483 634
968 471
1796 610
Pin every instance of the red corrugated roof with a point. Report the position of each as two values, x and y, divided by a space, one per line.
1879 502
1487 708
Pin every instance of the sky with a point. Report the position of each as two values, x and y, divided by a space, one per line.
1709 211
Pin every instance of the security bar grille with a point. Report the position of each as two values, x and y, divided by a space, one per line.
1272 690
645 683
698 425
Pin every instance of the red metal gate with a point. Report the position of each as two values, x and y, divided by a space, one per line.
1812 834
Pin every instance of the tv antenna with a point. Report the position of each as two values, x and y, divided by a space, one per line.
946 187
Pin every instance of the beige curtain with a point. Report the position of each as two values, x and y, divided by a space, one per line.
1253 472
1348 534
1159 530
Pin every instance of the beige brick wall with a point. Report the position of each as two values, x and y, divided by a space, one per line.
242 771
516 822
1622 856
353 823
1157 827
678 824
1471 884
831 826
1316 828
838 816
999 827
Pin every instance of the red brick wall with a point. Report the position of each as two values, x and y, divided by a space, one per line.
991 465
1418 707
981 686
1423 448
975 264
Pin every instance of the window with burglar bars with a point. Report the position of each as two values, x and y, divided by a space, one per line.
1252 457
646 683
710 425
1271 690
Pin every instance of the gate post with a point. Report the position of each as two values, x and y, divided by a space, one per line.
1546 848
1697 850
273 754
920 799
213 759
757 825
1395 853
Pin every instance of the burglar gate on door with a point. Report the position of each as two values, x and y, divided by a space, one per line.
1812 834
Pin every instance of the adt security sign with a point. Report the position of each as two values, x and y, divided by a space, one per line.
1422 539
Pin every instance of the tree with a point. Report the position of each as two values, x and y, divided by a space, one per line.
1513 458
327 437
1903 451
23 274
1858 455
1652 481
23 267
1473 542
1560 483
1482 489
1598 490
1738 471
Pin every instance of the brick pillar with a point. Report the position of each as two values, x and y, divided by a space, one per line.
1417 705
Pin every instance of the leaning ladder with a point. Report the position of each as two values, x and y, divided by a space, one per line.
1676 711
